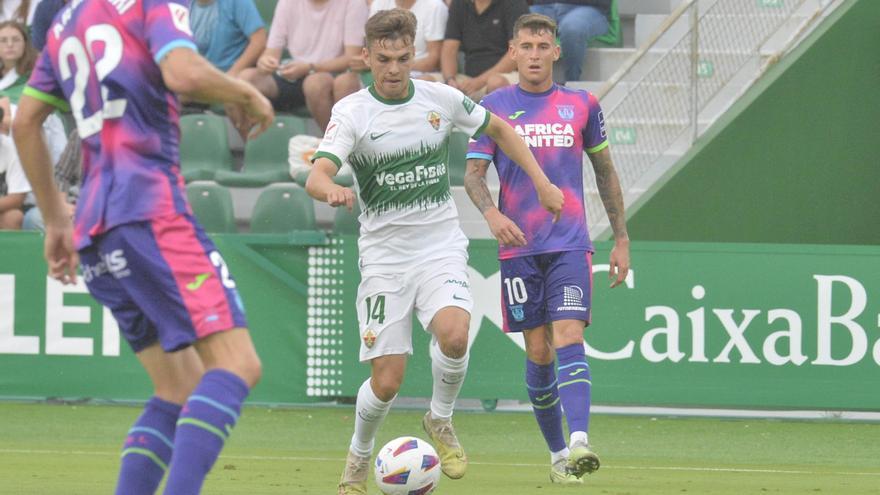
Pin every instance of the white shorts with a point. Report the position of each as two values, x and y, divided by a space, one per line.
385 303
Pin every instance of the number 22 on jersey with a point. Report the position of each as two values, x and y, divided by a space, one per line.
83 56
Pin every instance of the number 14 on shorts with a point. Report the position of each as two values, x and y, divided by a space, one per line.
375 309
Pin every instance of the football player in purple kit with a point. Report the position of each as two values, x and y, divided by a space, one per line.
116 65
546 267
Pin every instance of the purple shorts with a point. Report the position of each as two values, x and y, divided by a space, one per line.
164 281
542 288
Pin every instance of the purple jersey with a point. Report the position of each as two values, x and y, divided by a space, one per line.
102 57
558 126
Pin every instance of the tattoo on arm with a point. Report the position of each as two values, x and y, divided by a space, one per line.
610 192
475 184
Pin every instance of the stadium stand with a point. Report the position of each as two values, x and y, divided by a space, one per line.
212 206
198 159
282 208
265 157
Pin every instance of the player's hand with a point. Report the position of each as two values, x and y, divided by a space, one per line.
551 199
267 64
60 254
504 229
341 196
254 117
618 265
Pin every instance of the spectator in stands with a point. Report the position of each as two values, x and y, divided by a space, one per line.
18 10
482 30
578 21
14 186
18 56
43 16
321 37
229 33
431 18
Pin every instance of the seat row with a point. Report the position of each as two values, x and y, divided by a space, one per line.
281 208
205 153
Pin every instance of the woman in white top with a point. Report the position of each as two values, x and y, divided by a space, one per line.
17 58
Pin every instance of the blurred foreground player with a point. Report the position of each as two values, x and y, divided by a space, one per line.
114 65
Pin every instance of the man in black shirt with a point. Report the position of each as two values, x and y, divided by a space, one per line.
482 30
579 21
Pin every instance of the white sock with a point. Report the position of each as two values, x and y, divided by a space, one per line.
449 376
559 456
578 436
369 413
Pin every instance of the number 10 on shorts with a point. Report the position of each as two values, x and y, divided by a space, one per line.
376 309
516 290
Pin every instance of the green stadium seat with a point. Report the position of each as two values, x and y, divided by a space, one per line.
283 208
265 157
212 206
204 147
456 163
613 37
346 222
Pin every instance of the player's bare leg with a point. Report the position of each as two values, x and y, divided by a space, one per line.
544 396
449 360
574 393
232 368
373 402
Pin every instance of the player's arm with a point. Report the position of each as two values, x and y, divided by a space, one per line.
320 185
188 73
513 146
612 197
503 228
34 155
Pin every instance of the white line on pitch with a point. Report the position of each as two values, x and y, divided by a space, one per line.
334 459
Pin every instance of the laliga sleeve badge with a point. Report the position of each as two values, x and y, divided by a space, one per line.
369 338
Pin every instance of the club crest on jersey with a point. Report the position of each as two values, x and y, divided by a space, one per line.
369 338
566 112
518 313
434 120
180 17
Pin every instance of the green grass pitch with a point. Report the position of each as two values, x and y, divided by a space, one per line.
49 449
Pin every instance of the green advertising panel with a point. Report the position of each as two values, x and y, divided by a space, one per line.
723 325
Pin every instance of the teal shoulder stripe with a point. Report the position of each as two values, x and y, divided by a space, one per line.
579 380
46 98
156 433
205 426
323 154
483 127
147 453
478 156
599 147
213 403
548 406
179 43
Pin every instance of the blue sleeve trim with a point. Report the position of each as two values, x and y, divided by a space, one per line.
171 46
477 154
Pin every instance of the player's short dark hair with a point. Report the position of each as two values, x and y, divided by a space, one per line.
391 25
536 23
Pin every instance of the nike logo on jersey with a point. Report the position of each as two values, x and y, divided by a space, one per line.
577 372
515 115
197 283
455 296
374 136
544 397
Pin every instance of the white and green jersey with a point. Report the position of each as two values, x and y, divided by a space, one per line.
398 152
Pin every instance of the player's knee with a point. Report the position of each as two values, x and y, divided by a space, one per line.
541 354
250 369
455 345
386 386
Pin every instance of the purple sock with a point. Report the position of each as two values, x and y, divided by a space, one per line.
148 448
574 386
204 425
541 382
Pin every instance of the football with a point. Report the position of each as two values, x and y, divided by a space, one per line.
407 466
